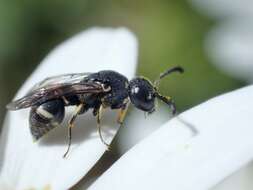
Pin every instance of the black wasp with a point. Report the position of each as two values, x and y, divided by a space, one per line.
104 89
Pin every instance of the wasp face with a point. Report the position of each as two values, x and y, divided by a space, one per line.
142 94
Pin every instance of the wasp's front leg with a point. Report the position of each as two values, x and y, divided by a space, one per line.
168 100
122 114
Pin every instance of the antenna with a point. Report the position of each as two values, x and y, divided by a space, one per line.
167 72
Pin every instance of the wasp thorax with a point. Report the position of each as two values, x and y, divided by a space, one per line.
114 84
142 94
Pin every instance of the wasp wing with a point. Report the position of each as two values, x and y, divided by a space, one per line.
55 87
70 78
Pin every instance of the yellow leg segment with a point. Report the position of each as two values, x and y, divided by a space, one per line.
99 115
71 125
122 114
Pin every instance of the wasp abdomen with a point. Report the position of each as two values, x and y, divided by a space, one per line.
45 117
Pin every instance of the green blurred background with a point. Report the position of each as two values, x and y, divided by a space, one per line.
169 33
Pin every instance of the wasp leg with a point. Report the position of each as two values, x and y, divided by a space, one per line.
71 125
122 114
168 100
99 114
172 105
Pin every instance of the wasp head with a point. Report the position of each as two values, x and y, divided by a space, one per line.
142 94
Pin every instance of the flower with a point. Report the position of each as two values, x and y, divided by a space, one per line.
195 150
26 165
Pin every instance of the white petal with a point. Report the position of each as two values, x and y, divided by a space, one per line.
175 157
25 164
138 126
230 45
224 8
241 179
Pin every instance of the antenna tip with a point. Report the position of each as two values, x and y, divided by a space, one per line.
179 69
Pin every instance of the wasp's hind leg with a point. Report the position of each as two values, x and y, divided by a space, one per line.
78 110
46 117
98 113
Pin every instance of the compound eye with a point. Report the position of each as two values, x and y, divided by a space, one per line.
141 94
